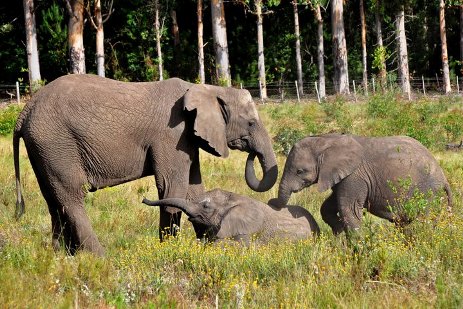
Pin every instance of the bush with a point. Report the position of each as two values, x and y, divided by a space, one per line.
452 122
8 118
286 138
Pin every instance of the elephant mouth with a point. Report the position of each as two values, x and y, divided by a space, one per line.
241 143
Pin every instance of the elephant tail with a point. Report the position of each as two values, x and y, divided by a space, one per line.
20 208
449 196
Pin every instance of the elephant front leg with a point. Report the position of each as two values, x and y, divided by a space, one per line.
329 212
350 199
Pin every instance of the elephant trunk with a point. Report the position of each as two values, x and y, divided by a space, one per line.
283 196
182 204
269 169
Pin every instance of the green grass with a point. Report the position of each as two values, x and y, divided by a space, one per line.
421 266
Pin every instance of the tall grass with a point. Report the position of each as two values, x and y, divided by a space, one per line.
420 266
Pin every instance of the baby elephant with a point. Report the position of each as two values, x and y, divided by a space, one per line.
226 215
381 174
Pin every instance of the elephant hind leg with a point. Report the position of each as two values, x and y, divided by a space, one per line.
329 212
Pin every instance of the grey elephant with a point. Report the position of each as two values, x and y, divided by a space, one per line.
227 215
379 174
84 132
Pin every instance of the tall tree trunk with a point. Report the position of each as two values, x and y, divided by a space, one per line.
341 73
364 46
31 45
300 84
320 53
402 51
99 39
219 33
76 36
461 37
379 42
157 30
443 39
202 75
175 30
260 49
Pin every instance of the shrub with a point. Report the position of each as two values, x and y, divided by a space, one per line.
286 138
452 122
8 118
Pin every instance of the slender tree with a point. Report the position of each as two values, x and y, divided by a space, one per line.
380 51
199 11
444 55
341 73
364 46
219 34
31 45
76 11
461 36
320 51
157 31
402 51
260 49
97 23
300 84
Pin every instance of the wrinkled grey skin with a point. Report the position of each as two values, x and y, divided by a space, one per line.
363 172
84 132
226 215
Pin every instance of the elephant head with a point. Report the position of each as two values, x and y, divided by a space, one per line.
227 118
219 214
325 159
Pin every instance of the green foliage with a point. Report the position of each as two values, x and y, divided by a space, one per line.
452 122
8 118
379 58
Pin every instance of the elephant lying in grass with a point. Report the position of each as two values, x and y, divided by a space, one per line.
393 178
227 215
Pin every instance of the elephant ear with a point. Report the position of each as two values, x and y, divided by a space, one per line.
241 221
210 118
341 158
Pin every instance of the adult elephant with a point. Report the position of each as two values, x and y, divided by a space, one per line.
84 132
380 174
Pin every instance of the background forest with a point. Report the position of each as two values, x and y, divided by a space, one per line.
130 40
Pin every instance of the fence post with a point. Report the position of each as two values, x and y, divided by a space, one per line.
17 93
241 85
260 91
458 86
318 94
355 91
373 83
437 79
424 88
297 91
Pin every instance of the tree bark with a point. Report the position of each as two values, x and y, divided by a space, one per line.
341 73
260 49
320 53
364 46
76 36
461 37
31 45
99 40
157 30
402 51
443 38
300 84
379 42
202 76
219 33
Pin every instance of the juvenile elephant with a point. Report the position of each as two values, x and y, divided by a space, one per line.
84 132
226 215
377 173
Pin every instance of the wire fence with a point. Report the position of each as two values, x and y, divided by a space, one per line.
423 86
287 90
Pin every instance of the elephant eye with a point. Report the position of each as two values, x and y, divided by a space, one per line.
251 123
300 171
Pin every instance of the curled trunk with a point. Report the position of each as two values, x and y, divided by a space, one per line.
269 169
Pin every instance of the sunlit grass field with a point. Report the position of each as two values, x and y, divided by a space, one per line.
421 266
